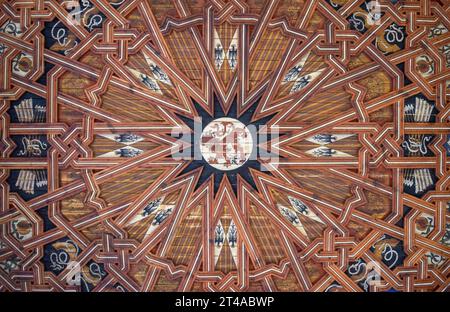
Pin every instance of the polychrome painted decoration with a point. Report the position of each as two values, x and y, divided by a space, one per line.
225 145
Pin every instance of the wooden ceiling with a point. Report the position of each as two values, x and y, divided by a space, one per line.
355 195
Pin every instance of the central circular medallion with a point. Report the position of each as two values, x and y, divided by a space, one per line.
226 143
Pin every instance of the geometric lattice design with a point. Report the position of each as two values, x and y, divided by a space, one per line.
348 188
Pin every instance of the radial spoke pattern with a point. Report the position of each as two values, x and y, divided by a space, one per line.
346 102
